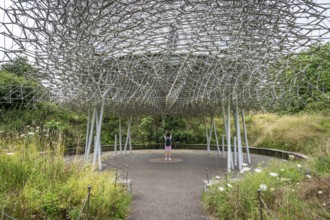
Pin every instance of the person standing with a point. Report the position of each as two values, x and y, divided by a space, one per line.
168 145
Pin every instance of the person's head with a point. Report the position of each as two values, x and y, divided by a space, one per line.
168 134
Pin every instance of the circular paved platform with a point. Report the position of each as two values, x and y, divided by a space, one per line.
165 190
162 160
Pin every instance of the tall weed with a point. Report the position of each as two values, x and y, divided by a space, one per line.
42 186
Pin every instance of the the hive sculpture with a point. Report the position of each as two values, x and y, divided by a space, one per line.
187 57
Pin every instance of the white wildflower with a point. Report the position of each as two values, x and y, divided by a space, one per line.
272 189
292 190
221 188
273 174
229 185
258 170
291 156
245 169
263 187
282 170
10 153
46 135
320 192
299 166
309 176
218 177
30 133
324 204
22 135
244 164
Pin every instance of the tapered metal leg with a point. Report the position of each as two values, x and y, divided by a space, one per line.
87 132
120 136
223 145
239 139
246 138
230 164
90 138
115 146
235 151
216 136
128 134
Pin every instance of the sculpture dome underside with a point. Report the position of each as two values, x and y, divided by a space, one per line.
166 57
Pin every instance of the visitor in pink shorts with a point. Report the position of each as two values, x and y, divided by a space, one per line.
168 146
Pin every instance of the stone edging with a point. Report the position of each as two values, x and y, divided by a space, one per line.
276 153
254 150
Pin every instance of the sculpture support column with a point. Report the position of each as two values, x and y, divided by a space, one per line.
120 136
225 125
230 164
128 136
246 138
90 138
216 136
115 146
97 145
239 138
87 132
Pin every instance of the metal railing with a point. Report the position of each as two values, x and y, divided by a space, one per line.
5 215
85 204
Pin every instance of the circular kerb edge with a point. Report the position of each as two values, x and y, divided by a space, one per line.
162 160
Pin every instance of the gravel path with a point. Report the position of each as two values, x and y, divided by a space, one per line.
164 190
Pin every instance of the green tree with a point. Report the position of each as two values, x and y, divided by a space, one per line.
308 75
15 89
147 128
19 66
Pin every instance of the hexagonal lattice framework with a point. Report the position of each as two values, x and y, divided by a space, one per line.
159 57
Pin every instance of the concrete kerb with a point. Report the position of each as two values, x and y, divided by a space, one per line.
256 150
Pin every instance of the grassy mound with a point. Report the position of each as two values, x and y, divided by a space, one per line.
304 133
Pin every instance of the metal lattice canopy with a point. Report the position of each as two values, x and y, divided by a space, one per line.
165 57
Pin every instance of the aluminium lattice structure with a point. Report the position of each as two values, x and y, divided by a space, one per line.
187 57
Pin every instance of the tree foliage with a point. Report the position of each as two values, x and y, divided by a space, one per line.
15 89
309 72
19 67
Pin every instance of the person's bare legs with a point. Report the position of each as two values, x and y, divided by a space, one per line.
169 155
166 153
